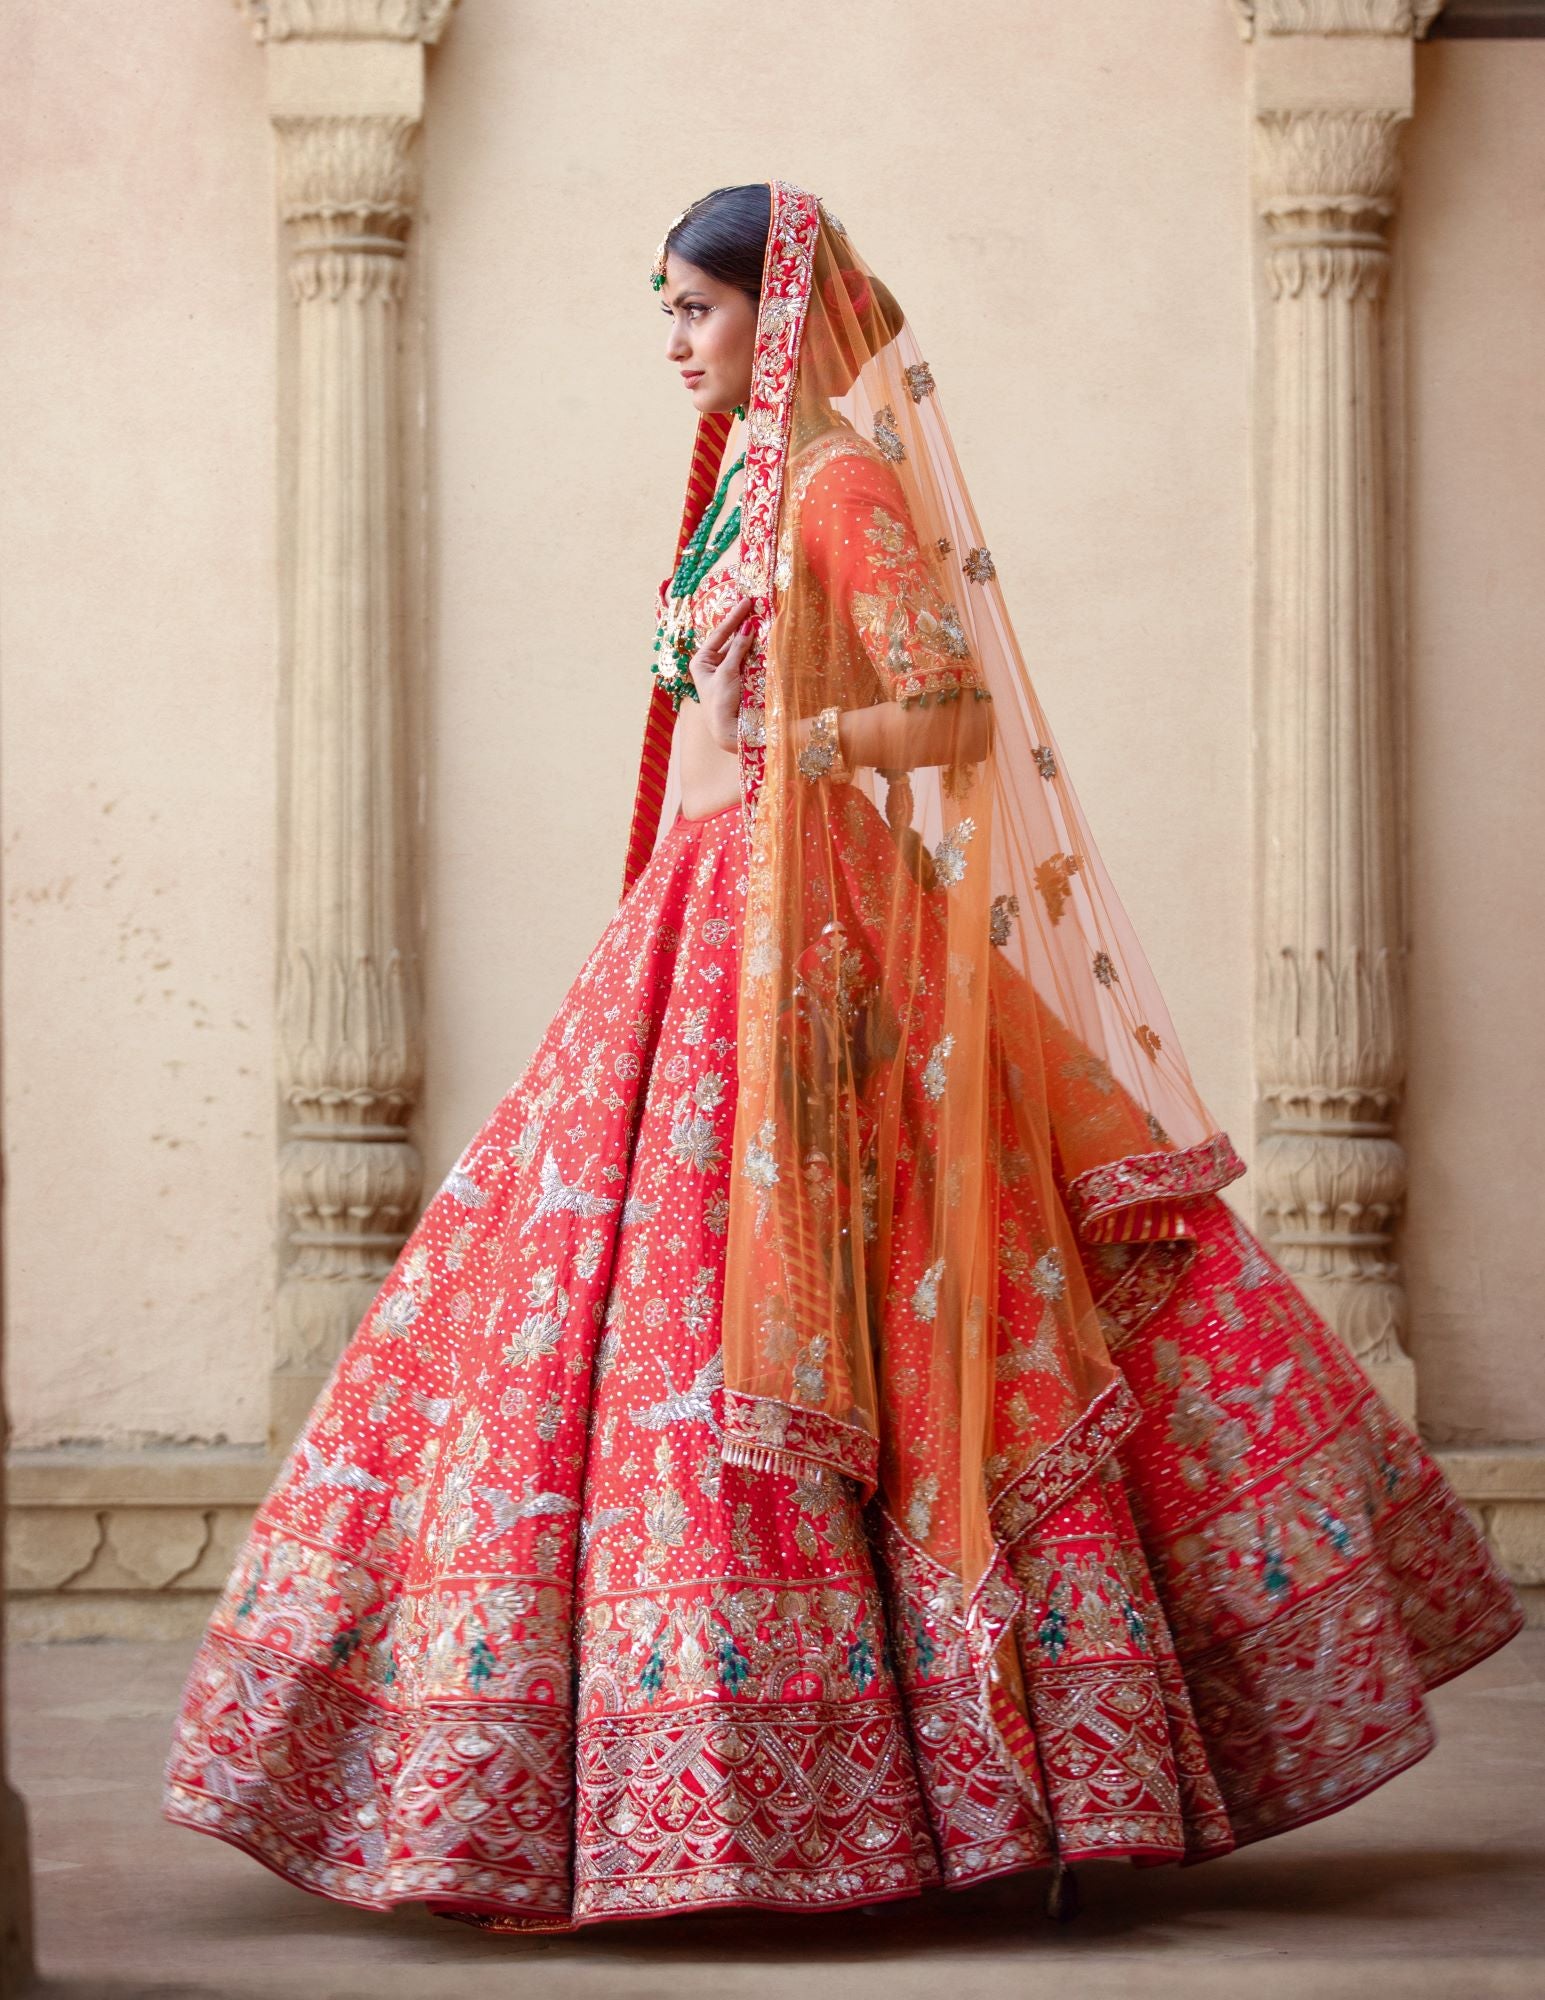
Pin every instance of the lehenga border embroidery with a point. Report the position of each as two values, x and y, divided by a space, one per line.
791 239
767 1435
1180 1175
1053 1475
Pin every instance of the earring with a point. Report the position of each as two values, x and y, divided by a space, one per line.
740 411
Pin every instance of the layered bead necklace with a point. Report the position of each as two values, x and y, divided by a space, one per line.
676 638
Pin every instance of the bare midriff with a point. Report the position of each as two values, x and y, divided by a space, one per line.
710 775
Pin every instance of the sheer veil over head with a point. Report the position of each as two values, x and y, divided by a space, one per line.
965 1138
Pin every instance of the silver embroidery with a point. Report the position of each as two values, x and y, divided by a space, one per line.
886 435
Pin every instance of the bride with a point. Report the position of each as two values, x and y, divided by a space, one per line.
827 1436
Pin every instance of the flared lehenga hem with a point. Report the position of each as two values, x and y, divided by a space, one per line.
1398 1755
514 1637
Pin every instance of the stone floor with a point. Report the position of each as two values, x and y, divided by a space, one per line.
1435 1886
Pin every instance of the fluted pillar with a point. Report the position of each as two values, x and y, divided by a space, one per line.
346 80
1332 86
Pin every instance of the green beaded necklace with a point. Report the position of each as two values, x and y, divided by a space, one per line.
676 639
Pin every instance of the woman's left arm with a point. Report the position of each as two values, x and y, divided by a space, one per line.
858 537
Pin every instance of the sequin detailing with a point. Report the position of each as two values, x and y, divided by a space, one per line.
886 435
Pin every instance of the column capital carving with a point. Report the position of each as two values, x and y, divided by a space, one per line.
1326 185
1319 155
347 20
1335 17
348 179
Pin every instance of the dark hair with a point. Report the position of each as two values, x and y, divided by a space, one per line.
725 234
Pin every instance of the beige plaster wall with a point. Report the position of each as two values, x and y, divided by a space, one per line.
1475 287
136 638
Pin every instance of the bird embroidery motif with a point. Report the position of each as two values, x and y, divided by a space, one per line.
693 1404
557 1198
602 1519
340 1472
505 1510
460 1185
1262 1396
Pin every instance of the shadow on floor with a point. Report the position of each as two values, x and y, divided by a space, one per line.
1407 1889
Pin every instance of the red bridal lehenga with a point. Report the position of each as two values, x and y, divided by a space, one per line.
828 1436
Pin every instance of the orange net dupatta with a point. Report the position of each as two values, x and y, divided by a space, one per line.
960 1096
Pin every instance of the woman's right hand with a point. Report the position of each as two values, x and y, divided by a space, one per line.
715 673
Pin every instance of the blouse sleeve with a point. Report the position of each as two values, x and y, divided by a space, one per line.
857 536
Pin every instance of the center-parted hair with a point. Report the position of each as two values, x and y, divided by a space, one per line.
725 234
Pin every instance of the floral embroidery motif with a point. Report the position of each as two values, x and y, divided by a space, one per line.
925 1294
1000 922
694 1136
979 566
933 1069
1148 1040
1047 1275
1054 878
902 626
919 377
1104 967
949 857
886 435
1046 760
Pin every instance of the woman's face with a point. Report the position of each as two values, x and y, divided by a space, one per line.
712 335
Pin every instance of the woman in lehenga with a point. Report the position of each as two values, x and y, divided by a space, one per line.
828 1436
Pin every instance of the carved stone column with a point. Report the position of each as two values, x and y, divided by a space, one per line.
346 80
1332 86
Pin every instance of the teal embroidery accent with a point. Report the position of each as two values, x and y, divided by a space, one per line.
652 1679
1052 1632
481 1661
1340 1534
924 1650
734 1667
343 1644
861 1666
1274 1571
676 642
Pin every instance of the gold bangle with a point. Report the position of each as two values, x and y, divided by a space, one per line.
822 755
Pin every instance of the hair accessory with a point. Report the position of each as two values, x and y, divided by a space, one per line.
657 275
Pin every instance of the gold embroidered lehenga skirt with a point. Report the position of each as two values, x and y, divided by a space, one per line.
509 1638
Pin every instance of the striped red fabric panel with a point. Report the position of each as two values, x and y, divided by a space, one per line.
1144 1222
707 459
